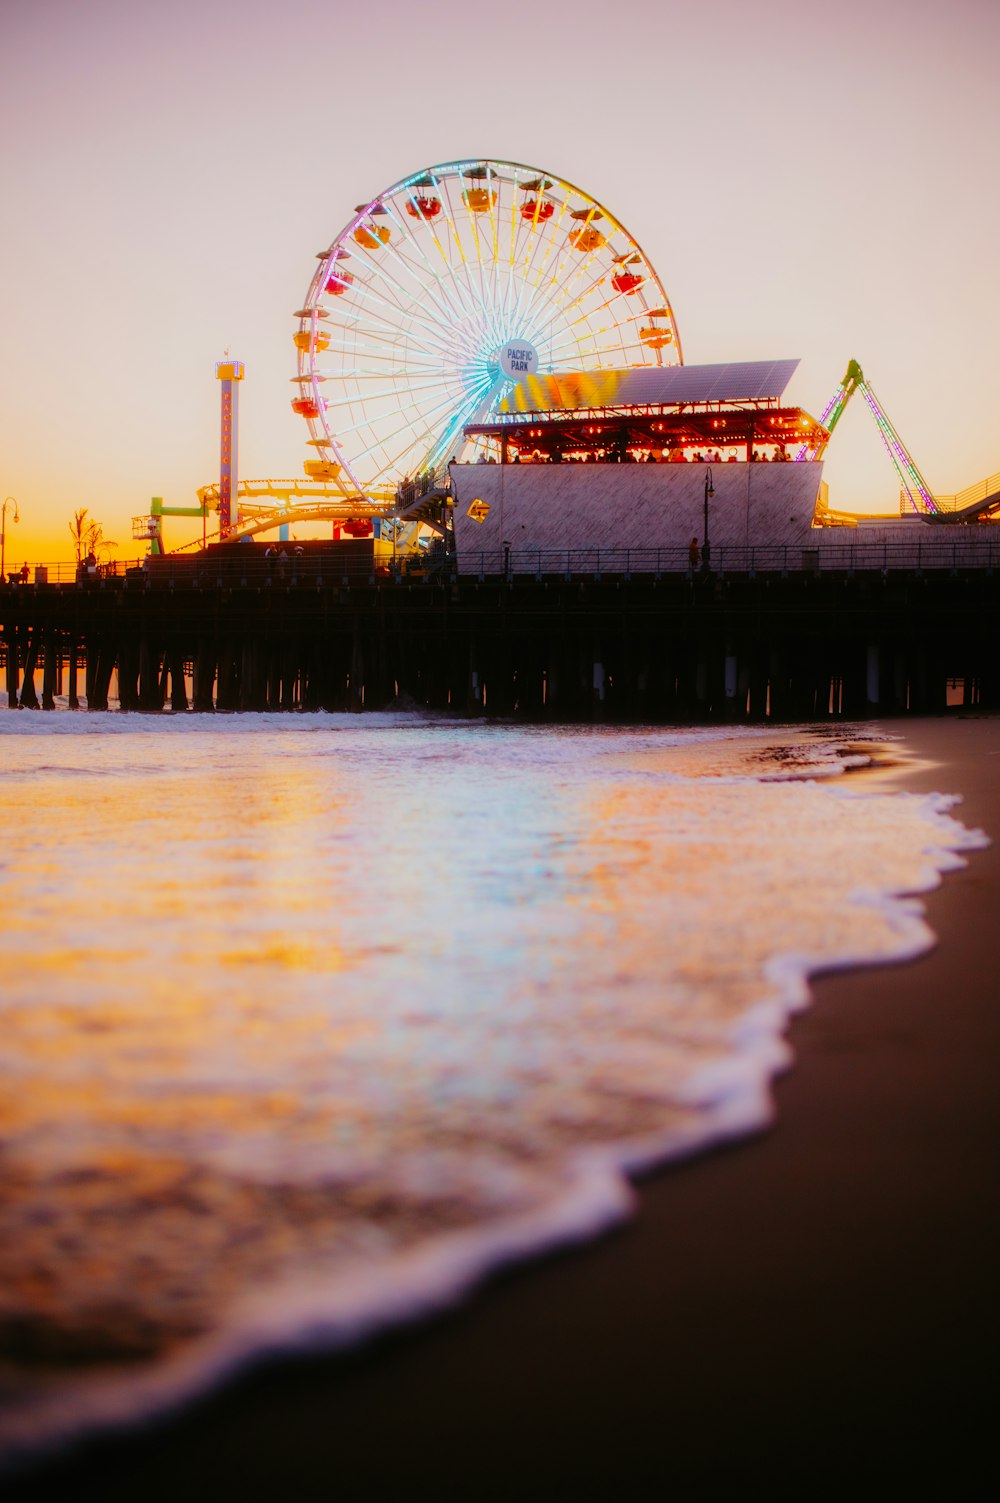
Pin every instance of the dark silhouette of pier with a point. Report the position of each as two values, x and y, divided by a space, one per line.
571 638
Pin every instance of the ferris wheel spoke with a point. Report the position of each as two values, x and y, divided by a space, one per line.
448 306
391 393
556 242
531 233
386 350
451 290
503 278
440 408
379 309
443 187
475 258
403 397
390 292
543 240
494 205
556 293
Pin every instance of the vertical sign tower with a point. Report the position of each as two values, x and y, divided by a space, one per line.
229 372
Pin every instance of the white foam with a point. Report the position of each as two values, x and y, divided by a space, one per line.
507 982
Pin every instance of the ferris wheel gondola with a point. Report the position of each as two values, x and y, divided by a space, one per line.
444 290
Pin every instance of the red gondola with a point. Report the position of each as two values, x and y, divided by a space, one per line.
338 282
358 527
544 209
423 207
306 407
626 281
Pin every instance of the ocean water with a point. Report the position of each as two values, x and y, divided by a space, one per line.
307 1023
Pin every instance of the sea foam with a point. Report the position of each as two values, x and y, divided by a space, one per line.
308 1024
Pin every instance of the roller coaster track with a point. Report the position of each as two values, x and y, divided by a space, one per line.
309 501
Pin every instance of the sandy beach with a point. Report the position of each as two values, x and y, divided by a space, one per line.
809 1314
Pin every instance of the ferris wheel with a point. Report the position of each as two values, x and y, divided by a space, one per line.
447 288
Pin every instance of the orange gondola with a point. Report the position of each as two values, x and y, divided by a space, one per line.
307 407
586 238
656 339
372 236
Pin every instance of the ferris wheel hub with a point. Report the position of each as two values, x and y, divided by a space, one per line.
517 358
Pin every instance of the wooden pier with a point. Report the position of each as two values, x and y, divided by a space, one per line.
226 633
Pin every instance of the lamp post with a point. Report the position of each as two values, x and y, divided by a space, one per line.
9 500
709 491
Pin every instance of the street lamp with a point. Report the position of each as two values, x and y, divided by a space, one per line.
8 501
709 491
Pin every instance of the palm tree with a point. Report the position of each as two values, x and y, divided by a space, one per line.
88 536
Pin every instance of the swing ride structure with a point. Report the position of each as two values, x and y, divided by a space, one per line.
484 310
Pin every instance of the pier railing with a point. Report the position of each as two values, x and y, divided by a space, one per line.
972 493
251 570
782 559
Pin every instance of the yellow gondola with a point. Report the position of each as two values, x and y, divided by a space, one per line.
479 200
303 339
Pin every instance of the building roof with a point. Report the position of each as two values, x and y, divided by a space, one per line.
652 386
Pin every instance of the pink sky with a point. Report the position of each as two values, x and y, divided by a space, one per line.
808 181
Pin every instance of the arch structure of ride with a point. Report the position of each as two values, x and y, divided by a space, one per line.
440 292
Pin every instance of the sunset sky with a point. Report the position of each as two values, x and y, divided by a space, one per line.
812 181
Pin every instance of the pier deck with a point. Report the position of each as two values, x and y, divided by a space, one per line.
782 638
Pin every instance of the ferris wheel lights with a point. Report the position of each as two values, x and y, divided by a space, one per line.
414 344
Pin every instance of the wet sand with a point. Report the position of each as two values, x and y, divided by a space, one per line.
810 1314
